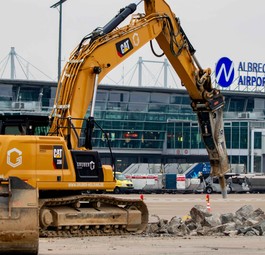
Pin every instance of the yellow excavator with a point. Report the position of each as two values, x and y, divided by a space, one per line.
44 179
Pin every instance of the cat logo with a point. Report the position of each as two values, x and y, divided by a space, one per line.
57 152
123 47
58 155
14 157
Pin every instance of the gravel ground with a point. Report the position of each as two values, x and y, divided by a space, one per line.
137 245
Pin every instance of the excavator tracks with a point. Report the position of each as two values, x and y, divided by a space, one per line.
91 215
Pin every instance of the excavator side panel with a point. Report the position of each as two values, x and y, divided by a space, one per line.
19 220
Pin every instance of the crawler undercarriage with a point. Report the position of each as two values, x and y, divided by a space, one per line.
24 217
92 215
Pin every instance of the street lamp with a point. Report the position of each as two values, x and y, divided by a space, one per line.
60 34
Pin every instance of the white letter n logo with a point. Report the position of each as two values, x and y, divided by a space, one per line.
224 72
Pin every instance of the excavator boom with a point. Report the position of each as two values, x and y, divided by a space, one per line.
105 48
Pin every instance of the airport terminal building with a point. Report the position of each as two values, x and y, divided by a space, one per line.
153 125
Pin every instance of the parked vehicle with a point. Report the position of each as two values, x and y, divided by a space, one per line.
211 185
256 183
123 185
238 183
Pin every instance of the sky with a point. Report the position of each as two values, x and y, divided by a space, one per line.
232 28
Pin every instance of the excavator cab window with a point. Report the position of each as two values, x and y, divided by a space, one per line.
24 125
13 129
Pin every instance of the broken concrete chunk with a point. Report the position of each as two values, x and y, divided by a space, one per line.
245 221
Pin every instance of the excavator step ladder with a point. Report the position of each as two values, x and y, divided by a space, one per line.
19 220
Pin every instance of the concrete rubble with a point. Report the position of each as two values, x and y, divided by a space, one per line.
200 222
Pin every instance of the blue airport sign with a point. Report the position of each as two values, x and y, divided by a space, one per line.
249 73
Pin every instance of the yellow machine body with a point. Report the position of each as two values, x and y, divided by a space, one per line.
46 163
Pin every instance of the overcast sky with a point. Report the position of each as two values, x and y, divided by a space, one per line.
232 28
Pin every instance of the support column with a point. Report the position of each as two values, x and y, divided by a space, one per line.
12 61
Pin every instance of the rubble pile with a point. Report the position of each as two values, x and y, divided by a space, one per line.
200 222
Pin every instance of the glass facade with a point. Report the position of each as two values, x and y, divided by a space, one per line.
140 119
184 135
153 125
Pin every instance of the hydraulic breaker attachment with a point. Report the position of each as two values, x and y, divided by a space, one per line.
212 128
19 220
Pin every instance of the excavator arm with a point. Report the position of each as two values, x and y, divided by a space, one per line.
207 101
105 48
